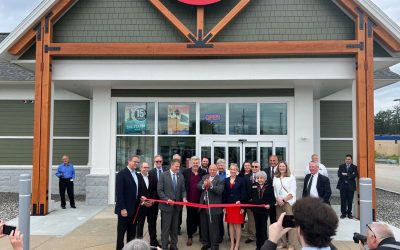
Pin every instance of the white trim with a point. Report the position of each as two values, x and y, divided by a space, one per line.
16 137
29 167
71 138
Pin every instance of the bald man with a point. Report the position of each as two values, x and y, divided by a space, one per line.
380 236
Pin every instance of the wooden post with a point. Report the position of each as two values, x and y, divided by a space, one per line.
41 141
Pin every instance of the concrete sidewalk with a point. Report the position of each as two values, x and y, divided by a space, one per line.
99 232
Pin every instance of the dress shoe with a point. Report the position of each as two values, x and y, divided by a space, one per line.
248 241
155 244
73 206
342 216
350 216
189 242
63 207
204 247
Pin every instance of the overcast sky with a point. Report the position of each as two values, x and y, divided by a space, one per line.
12 12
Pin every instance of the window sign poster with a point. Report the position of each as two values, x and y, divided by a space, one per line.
213 117
178 119
135 118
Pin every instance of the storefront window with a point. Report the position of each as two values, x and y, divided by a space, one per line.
135 118
177 118
134 145
243 119
212 118
183 146
273 119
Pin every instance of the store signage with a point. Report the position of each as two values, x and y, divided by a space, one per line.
135 119
213 117
178 119
199 2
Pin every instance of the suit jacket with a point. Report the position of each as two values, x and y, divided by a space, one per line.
237 192
214 193
126 193
186 175
153 173
269 177
349 180
249 183
165 190
148 192
268 197
323 187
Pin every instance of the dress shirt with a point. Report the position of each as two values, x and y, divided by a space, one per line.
67 170
133 173
159 172
322 169
314 191
290 185
146 180
222 174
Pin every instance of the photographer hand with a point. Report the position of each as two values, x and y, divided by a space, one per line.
16 239
362 247
1 228
276 231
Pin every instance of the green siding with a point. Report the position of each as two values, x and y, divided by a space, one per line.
16 151
336 119
379 51
201 92
262 20
77 150
71 118
30 54
334 152
16 118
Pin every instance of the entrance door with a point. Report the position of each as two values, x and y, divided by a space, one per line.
242 150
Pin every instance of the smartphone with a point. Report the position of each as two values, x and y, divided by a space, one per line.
7 229
288 221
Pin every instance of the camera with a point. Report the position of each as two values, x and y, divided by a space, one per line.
359 237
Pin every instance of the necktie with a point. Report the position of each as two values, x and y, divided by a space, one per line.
272 173
347 166
159 173
309 185
174 182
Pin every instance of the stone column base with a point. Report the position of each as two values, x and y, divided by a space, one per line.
96 190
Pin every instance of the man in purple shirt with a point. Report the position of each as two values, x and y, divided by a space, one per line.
66 174
193 176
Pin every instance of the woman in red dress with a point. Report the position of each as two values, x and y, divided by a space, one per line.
234 193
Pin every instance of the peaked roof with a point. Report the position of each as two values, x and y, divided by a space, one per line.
11 72
46 5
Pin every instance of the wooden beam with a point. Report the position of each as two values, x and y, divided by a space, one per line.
59 9
172 18
37 122
369 54
200 22
387 39
228 18
227 49
23 43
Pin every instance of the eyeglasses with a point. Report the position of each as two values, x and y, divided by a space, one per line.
254 166
371 230
158 161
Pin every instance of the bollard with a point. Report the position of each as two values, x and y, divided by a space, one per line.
365 204
24 207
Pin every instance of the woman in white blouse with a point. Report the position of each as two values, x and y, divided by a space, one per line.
285 193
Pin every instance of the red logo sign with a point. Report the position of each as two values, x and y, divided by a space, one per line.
199 2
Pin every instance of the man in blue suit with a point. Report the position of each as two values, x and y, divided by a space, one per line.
127 201
347 174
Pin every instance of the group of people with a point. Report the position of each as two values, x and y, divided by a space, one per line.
274 188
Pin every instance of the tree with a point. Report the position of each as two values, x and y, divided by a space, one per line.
388 122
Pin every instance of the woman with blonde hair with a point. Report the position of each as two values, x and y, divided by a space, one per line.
285 194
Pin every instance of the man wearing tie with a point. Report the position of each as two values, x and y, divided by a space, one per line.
221 166
316 184
211 187
250 180
171 187
347 174
148 187
127 192
270 171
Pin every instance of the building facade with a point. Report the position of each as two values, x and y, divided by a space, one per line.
238 80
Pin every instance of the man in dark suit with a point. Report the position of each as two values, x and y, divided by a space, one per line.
271 171
317 185
127 192
148 190
204 164
193 176
171 187
347 174
250 179
211 187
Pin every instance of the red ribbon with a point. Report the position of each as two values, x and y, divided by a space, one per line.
191 204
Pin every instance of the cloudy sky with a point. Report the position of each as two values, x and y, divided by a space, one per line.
13 12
